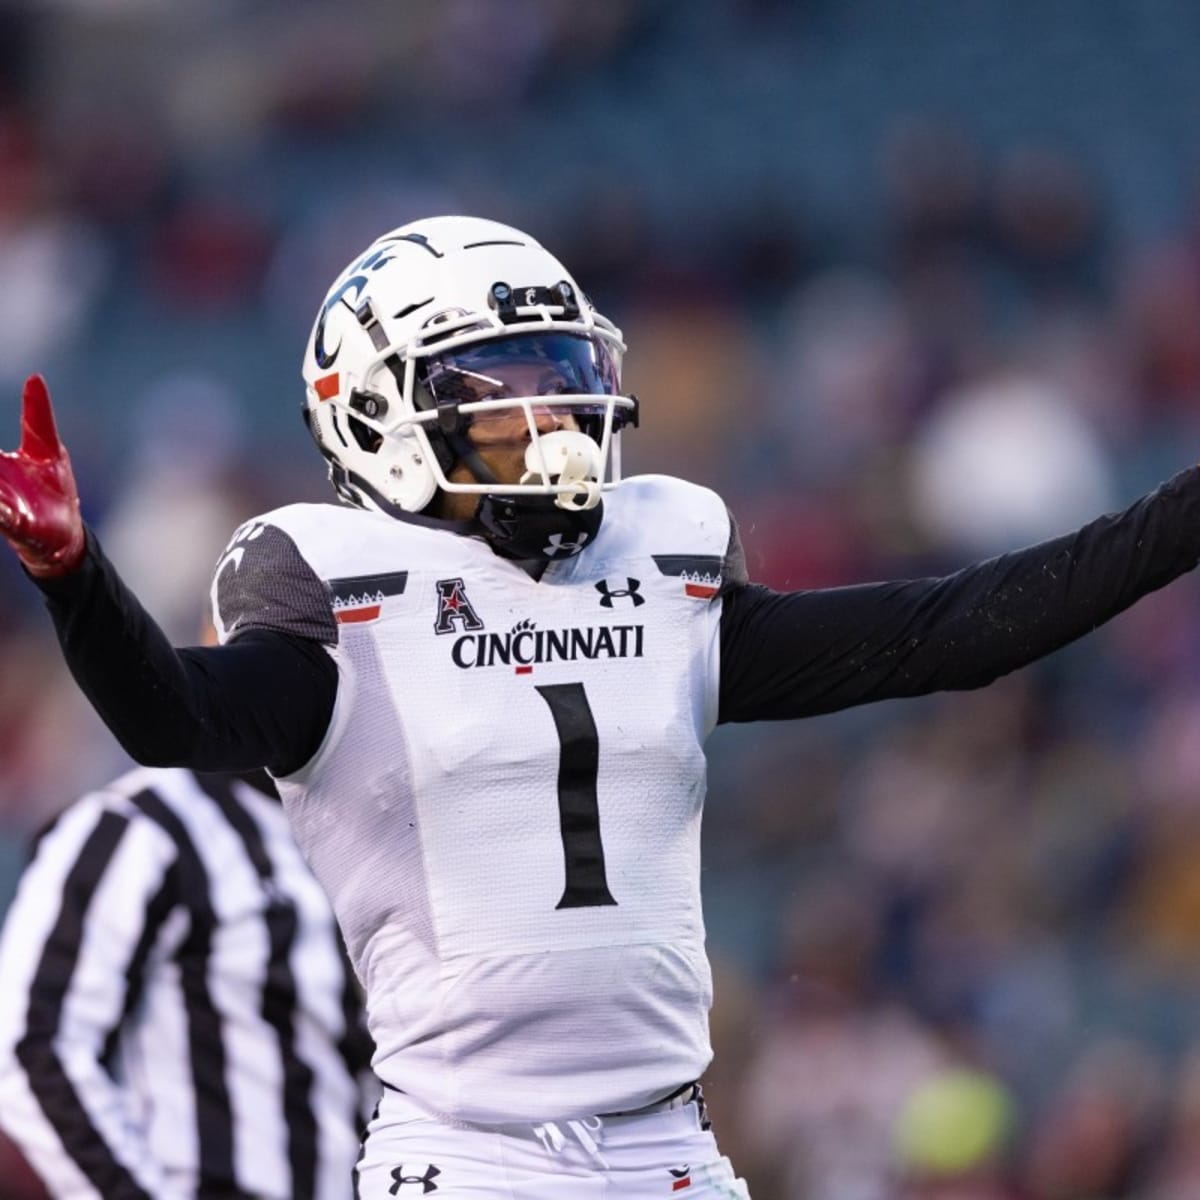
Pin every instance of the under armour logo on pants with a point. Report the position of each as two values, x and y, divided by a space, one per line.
425 1180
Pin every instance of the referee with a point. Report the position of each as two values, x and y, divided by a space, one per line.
176 1016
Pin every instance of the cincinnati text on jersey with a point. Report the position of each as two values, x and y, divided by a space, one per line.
523 646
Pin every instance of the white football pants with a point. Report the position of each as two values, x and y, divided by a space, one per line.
660 1155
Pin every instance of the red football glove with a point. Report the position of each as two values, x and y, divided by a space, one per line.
39 506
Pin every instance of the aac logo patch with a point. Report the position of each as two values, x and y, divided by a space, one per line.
453 606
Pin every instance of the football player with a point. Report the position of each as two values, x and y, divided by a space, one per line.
483 682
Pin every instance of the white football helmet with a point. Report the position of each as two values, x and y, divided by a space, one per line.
397 368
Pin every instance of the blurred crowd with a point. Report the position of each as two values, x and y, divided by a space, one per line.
957 939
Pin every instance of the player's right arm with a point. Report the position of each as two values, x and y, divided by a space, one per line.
263 700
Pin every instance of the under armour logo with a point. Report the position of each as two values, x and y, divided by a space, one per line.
426 1180
630 590
556 545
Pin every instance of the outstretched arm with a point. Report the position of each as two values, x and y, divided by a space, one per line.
797 654
263 700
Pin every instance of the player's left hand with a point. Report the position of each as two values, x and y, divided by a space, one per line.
39 503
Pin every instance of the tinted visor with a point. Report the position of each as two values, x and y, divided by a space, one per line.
526 365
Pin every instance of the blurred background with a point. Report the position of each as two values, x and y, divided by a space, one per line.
910 284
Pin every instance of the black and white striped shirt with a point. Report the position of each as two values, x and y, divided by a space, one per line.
176 1016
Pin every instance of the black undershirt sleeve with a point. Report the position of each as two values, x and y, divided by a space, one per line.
262 700
800 653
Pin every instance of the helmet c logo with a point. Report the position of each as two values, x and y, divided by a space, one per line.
326 358
355 283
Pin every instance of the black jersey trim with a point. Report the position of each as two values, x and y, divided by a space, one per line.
362 589
690 564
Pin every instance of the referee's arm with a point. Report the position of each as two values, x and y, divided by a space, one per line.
88 910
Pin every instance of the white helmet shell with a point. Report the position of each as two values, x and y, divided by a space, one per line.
429 289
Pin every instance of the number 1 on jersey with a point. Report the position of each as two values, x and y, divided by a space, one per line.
578 809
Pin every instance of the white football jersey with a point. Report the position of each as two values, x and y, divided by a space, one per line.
505 811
